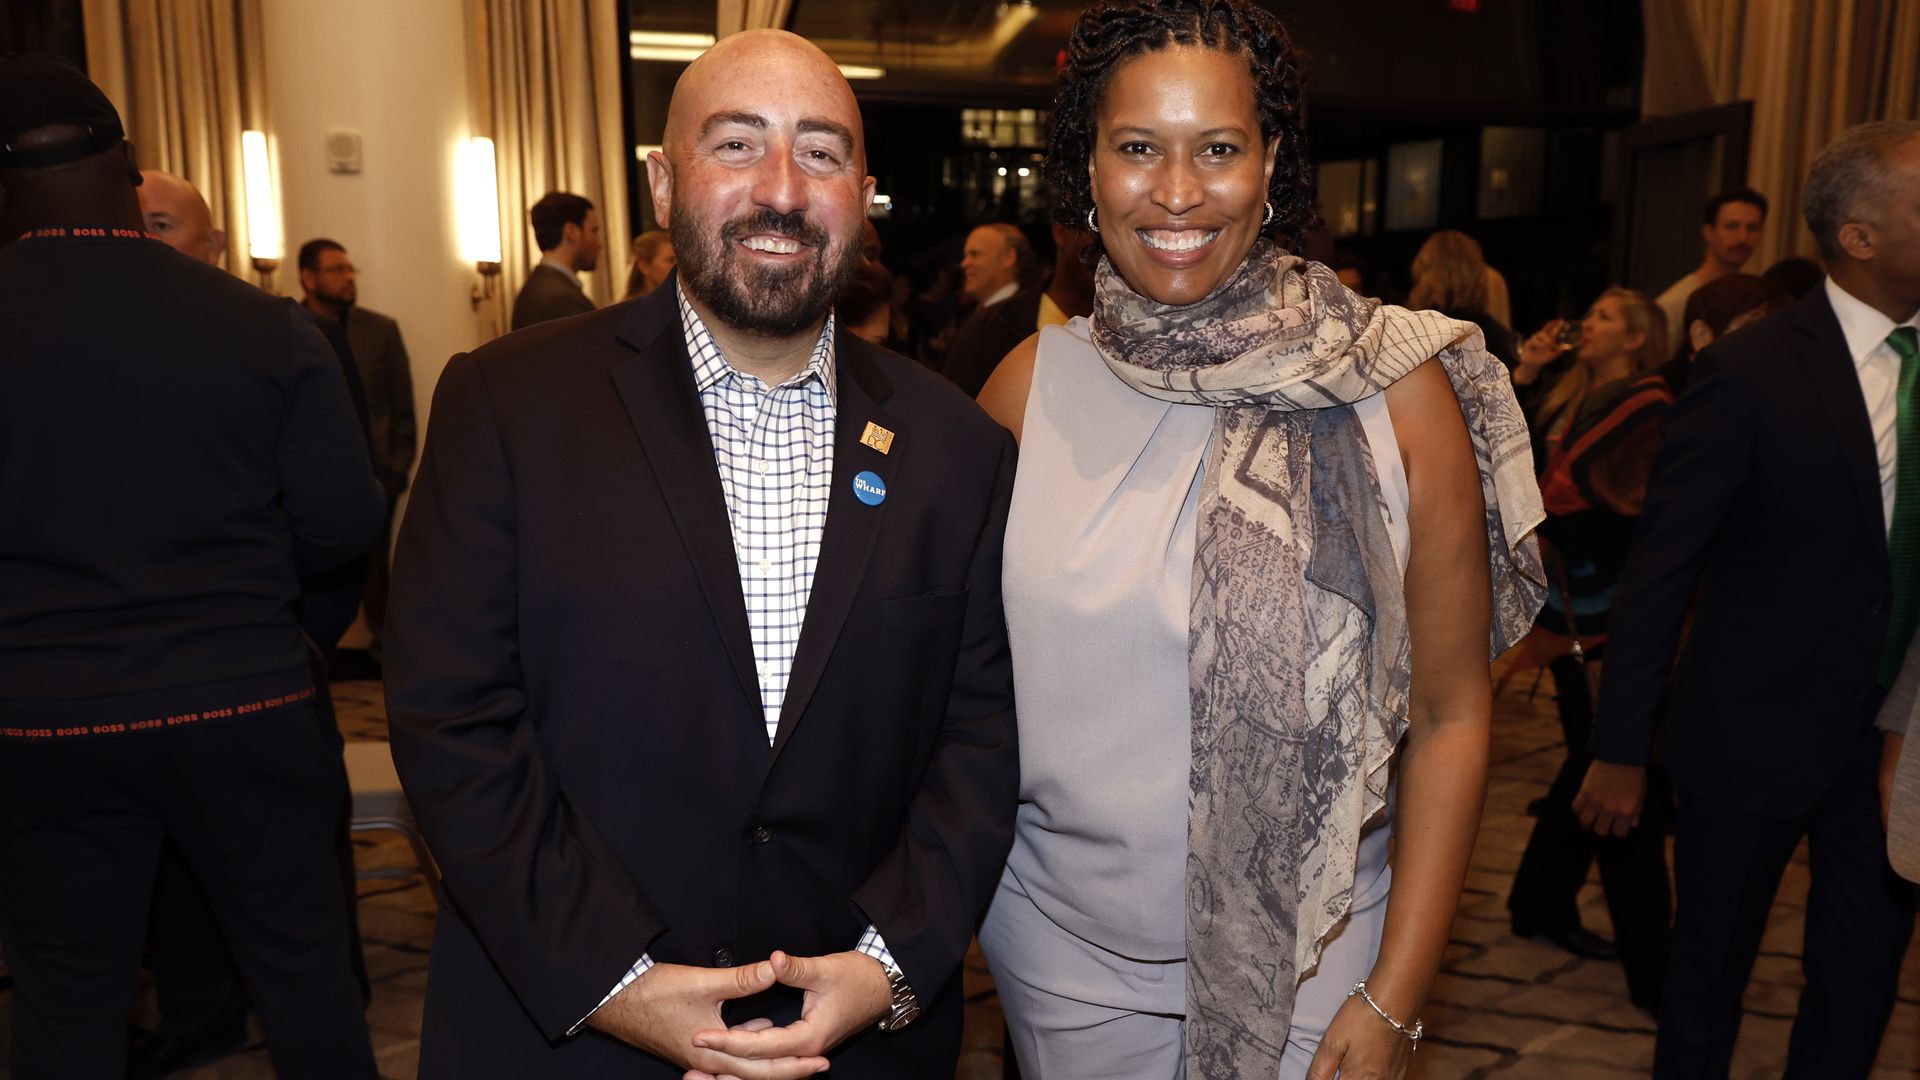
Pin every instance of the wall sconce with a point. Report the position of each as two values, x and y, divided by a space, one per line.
266 241
478 199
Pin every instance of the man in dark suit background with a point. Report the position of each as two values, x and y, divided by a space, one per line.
696 669
331 288
567 229
994 330
154 684
1788 488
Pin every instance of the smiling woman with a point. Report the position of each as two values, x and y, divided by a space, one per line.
1246 502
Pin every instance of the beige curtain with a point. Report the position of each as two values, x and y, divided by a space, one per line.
1812 68
187 77
547 76
734 16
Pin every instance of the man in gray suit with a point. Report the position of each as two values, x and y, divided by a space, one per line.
332 292
567 228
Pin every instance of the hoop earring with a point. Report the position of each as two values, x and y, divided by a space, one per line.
1092 227
1268 219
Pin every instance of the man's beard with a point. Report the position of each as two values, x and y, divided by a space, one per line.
776 302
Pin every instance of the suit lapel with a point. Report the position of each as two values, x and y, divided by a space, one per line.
1829 364
852 526
656 386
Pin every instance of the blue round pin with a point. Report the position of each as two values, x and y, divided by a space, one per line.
870 489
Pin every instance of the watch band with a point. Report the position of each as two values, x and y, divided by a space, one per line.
905 1008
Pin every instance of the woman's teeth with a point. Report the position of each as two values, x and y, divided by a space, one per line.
771 244
1177 240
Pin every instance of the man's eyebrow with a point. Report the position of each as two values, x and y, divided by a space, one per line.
745 119
826 127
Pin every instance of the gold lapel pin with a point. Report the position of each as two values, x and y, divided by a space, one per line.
877 437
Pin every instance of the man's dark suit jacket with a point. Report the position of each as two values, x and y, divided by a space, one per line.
1766 493
547 295
576 714
388 378
988 337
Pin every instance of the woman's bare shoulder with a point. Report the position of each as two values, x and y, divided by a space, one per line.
1005 395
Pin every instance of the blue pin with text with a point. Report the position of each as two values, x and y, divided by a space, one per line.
870 489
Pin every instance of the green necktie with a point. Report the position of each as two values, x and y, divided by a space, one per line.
1903 540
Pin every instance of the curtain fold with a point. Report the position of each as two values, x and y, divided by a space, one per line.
1812 68
188 78
548 81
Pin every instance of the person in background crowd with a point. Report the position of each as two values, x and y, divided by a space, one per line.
1499 305
865 307
1595 433
1449 276
1783 497
1199 884
155 682
1351 269
995 330
176 213
1715 310
331 291
991 262
698 679
934 311
1731 225
197 986
567 229
1797 275
652 262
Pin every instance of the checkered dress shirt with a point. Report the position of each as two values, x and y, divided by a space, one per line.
773 447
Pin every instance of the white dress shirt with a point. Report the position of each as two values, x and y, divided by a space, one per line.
1878 366
773 447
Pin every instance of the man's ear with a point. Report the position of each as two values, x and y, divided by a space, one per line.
217 243
660 184
1700 334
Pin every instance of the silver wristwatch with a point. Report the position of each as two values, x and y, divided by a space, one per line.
905 1008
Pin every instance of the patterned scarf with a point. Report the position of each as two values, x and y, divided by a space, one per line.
1298 640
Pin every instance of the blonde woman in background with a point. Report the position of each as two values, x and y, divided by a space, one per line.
1451 276
652 262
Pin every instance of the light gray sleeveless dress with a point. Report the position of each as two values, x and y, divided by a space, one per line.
1086 936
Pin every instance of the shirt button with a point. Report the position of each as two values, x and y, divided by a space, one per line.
762 834
723 957
762 468
766 566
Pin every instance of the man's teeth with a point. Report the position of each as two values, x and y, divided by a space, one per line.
1182 240
773 244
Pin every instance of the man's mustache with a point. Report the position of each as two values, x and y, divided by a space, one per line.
793 225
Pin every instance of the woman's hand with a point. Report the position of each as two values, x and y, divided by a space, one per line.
1538 351
1361 1046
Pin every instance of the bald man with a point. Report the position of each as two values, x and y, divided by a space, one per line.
176 213
696 666
990 262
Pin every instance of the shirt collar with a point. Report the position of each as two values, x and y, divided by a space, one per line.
1004 292
1865 327
548 260
710 365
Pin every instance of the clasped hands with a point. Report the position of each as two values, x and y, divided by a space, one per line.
673 1013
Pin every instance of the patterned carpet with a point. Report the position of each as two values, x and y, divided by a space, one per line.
1504 1007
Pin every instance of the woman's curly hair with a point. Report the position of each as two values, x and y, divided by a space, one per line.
1109 33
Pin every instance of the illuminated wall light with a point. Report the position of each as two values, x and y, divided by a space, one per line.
1024 171
1003 170
883 200
644 149
266 240
479 203
861 71
670 40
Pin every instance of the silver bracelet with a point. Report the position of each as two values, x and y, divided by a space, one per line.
1412 1033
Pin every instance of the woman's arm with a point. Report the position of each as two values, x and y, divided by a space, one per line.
1443 766
1005 395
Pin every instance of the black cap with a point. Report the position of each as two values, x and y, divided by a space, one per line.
44 91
